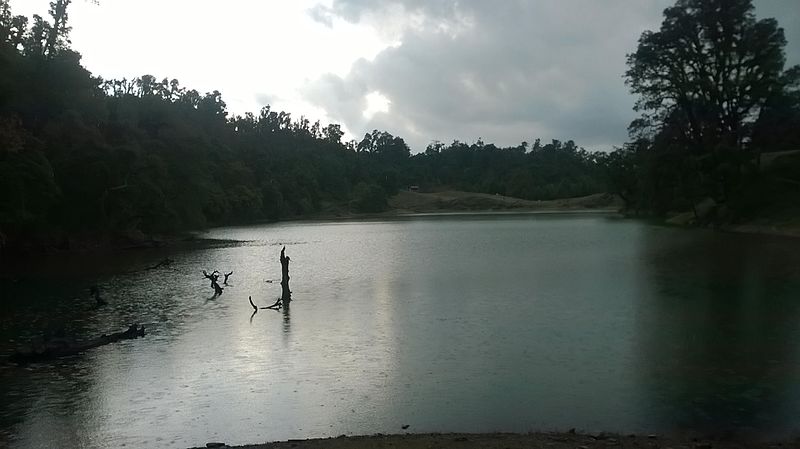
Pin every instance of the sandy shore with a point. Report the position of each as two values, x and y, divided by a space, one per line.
537 440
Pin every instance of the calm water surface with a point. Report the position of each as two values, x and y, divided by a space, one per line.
474 323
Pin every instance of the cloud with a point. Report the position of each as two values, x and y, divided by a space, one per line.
503 71
321 14
263 99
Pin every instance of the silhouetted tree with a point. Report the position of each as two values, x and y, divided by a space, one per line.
713 66
711 86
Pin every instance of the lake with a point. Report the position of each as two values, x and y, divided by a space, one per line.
444 323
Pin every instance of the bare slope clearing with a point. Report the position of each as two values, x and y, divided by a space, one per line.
457 201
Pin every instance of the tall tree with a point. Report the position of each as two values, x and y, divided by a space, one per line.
58 37
711 68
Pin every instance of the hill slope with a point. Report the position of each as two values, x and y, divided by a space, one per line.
458 201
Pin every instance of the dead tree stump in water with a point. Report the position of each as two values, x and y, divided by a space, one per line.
216 287
286 294
213 277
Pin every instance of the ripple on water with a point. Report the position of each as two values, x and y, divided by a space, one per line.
461 324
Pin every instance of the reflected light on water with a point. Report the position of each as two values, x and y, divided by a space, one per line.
511 323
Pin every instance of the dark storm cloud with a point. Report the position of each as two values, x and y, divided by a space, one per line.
504 71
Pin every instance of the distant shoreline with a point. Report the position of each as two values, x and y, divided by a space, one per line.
455 203
403 205
444 213
763 229
549 440
458 203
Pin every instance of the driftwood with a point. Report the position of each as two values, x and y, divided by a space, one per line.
277 306
62 348
227 275
255 309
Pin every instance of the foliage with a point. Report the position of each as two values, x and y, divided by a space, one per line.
708 71
369 198
81 153
713 95
543 172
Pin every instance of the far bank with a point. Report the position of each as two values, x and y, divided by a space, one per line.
533 440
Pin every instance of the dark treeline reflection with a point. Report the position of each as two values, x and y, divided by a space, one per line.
718 331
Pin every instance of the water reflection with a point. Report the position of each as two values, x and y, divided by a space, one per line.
287 322
53 402
456 324
718 325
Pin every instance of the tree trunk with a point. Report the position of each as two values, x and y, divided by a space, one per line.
59 25
286 294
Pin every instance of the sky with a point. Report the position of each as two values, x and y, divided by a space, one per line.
426 70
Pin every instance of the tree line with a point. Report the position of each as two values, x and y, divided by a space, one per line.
81 154
84 155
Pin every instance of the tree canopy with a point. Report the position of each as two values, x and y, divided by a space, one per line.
713 94
709 72
83 155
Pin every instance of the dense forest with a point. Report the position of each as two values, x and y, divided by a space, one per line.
85 155
80 155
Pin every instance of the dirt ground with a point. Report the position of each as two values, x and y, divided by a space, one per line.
454 201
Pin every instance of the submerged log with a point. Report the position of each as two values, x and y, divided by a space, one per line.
95 291
165 262
277 306
63 348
